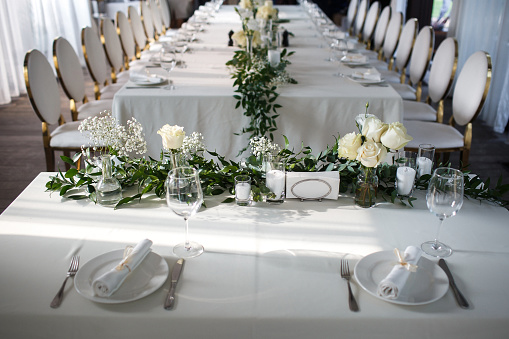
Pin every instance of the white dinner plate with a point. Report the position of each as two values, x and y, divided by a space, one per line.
149 81
365 81
145 279
425 286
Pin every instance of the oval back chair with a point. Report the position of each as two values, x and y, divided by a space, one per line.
405 45
370 23
113 49
360 18
381 29
137 26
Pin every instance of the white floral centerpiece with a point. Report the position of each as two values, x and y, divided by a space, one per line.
369 147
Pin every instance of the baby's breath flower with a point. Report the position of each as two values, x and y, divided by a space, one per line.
193 143
263 146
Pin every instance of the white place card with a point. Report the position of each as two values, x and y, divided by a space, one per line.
312 185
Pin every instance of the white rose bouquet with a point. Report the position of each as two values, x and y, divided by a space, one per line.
267 11
369 147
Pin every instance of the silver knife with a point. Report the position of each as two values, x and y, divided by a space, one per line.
462 302
175 275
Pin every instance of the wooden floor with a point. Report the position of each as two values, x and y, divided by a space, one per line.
22 155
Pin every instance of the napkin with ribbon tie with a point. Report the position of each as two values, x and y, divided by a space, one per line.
109 282
405 265
355 58
370 74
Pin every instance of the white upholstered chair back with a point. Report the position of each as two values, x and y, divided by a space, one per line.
146 18
381 28
392 35
42 87
421 54
165 13
361 16
443 69
94 56
112 45
69 69
350 15
406 43
371 21
471 88
126 37
137 26
156 17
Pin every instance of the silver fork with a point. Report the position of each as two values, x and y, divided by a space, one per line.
345 274
71 272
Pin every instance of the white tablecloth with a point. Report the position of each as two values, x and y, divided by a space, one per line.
267 271
317 109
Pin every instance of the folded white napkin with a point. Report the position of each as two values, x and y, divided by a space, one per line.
354 57
109 282
367 75
351 44
405 264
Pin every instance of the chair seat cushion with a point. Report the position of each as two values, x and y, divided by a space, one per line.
440 135
407 92
68 136
108 92
93 108
413 110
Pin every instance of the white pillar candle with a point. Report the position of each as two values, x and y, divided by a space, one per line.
275 181
274 57
405 177
243 191
424 165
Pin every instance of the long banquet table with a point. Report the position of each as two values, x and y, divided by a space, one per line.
267 271
314 111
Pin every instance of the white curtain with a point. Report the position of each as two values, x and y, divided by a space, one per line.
29 24
484 25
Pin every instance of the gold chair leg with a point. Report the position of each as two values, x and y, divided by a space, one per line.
50 159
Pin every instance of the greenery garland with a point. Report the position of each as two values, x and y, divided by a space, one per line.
217 176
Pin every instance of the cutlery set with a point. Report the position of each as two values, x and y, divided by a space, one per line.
177 270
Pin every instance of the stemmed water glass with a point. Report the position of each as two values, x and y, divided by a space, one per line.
168 61
185 197
444 198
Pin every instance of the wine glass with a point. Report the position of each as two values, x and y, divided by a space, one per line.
168 60
185 197
444 199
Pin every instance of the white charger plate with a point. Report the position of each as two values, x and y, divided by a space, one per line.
425 286
144 280
365 81
149 81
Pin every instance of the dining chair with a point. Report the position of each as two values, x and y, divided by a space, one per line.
419 64
166 14
72 80
156 12
148 22
126 35
386 53
113 51
95 60
370 24
441 77
468 99
381 30
403 52
350 15
137 26
44 96
360 18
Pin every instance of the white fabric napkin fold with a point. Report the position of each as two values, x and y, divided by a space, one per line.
354 57
391 285
109 282
367 75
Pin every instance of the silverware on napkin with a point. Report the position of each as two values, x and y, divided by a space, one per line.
175 275
462 302
71 272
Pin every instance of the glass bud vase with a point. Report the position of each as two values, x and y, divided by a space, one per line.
366 187
108 189
249 44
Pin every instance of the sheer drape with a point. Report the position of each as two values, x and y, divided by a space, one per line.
28 24
484 25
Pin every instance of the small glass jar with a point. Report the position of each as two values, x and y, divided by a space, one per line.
366 187
108 189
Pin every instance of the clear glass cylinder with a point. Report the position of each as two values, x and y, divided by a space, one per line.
108 189
366 187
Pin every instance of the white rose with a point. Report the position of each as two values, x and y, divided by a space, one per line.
373 128
173 136
266 12
240 38
396 136
361 118
252 24
371 153
348 145
247 4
